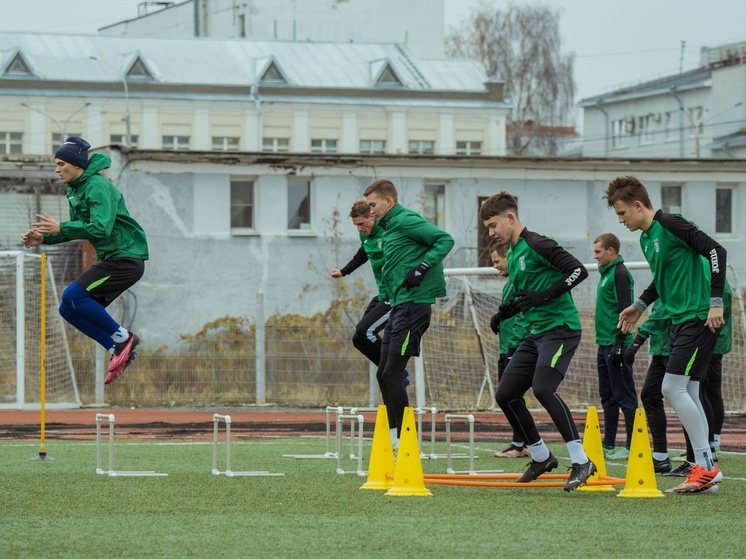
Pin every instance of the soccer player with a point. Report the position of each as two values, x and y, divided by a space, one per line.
366 337
511 332
97 213
674 248
413 253
616 386
543 273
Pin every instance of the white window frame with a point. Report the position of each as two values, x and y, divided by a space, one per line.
434 203
672 126
242 231
618 133
277 145
304 229
673 209
120 139
468 147
644 126
226 143
373 147
9 140
420 147
733 188
696 124
323 145
175 142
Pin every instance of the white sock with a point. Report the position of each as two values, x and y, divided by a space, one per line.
394 438
539 451
660 456
577 453
703 457
120 335
717 440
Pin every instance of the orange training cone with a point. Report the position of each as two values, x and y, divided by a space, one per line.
409 480
640 480
381 454
594 450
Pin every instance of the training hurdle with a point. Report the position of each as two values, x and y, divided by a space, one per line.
353 418
216 419
470 419
111 471
419 412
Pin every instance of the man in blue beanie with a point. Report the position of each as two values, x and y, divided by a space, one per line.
98 214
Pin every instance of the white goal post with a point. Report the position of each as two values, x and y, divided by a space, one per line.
460 352
20 335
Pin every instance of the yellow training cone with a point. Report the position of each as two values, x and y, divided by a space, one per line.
408 478
381 454
640 480
594 450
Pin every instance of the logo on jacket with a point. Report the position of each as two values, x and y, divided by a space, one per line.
522 263
656 245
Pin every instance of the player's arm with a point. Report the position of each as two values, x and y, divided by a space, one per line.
573 271
623 288
425 233
360 258
102 212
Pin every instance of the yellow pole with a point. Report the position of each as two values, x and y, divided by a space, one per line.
42 354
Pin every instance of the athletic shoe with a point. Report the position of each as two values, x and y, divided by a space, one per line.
661 466
579 475
513 451
124 354
699 480
608 450
681 471
406 378
535 469
621 454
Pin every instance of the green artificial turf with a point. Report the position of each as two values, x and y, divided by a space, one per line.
61 508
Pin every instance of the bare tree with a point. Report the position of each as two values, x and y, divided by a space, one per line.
521 45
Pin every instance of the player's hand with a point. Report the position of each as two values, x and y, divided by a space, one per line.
415 276
617 355
507 309
31 239
336 273
46 224
495 323
715 319
525 300
632 349
627 319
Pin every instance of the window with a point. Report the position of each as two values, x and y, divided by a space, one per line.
671 199
225 143
11 142
434 204
241 25
484 241
644 124
58 139
139 71
121 139
276 144
175 142
618 128
299 204
18 67
373 146
672 126
696 126
468 148
323 146
421 147
242 204
724 210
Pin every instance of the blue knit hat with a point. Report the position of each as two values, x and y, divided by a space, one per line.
75 151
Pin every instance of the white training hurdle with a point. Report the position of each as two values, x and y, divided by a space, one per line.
216 419
470 419
353 418
111 471
419 412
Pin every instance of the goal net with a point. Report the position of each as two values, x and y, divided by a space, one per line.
21 334
460 352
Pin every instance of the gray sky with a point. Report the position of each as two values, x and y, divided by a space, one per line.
615 43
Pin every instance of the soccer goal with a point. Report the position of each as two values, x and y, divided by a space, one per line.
21 334
460 352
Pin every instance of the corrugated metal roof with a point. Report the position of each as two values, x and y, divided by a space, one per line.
103 58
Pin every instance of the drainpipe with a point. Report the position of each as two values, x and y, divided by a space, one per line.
196 17
606 127
672 91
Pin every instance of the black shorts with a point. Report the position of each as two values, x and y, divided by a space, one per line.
407 324
553 348
108 279
692 344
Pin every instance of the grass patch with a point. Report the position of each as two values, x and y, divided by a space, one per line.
63 509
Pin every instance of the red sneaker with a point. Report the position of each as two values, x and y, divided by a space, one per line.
699 480
124 354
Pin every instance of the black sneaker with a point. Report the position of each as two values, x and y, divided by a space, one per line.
681 471
661 466
535 469
579 474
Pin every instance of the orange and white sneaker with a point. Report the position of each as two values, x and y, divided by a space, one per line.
699 480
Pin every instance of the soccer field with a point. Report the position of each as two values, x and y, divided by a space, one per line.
61 508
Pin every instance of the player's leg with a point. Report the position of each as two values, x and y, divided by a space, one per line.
714 388
517 447
652 402
366 338
625 396
608 403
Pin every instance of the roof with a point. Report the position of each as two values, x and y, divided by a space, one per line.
231 62
735 140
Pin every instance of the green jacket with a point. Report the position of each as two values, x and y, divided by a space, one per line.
514 329
98 214
724 343
614 293
657 327
408 240
371 250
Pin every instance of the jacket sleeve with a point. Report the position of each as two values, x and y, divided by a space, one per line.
573 271
623 285
102 209
439 242
360 258
702 244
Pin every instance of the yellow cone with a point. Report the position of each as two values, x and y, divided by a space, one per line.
381 454
640 480
594 450
408 478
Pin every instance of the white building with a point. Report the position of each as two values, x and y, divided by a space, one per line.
243 95
694 114
417 23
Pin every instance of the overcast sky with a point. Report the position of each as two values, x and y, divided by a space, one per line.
615 43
